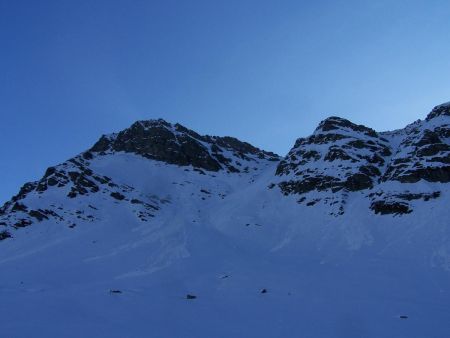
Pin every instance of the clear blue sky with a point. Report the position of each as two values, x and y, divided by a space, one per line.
264 71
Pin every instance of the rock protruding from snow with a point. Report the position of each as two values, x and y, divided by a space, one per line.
69 193
63 185
339 160
340 155
424 152
440 110
176 144
345 157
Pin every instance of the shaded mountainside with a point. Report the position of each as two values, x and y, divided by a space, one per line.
175 144
157 226
154 139
342 157
338 159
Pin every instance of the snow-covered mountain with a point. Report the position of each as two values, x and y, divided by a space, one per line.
344 237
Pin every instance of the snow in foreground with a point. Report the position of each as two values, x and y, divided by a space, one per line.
325 276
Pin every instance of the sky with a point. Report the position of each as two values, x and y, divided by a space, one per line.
266 72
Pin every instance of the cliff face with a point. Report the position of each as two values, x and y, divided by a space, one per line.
175 144
338 160
341 157
155 140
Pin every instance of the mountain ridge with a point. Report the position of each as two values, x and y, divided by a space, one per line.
339 156
157 230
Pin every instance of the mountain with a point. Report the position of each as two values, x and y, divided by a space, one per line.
159 143
343 157
159 231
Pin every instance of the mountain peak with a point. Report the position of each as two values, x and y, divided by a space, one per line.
157 215
338 123
440 110
152 123
176 144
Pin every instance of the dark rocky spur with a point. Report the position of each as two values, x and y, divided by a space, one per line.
176 144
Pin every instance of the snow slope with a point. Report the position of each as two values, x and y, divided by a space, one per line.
110 243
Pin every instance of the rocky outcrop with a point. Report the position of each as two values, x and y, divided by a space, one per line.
157 140
390 207
339 159
72 179
398 203
424 152
440 110
4 235
340 155
176 144
75 173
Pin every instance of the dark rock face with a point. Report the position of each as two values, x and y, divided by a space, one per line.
398 203
175 144
384 208
337 123
441 110
4 235
157 140
335 153
75 179
340 155
322 183
24 191
39 215
430 174
359 181
74 173
423 154
344 157
118 196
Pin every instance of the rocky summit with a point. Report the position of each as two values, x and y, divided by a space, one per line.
158 224
154 139
175 144
342 157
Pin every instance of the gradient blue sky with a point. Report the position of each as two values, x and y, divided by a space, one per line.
264 71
